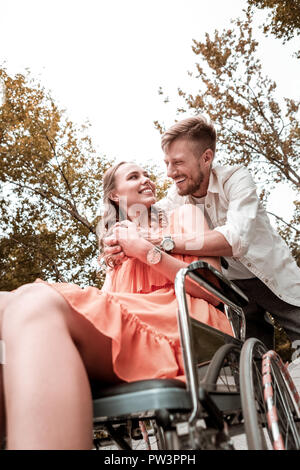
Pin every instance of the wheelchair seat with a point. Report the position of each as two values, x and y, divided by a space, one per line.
139 397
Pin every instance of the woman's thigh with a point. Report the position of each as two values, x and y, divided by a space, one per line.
94 348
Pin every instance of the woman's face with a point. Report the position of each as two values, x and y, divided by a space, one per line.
133 187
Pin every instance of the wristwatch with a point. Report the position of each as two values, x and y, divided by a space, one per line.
154 255
167 244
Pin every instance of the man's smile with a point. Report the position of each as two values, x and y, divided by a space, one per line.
180 180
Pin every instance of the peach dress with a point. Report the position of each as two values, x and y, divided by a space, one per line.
137 309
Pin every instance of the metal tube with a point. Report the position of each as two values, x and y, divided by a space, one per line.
186 343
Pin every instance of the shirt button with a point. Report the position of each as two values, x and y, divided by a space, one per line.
208 206
266 281
249 265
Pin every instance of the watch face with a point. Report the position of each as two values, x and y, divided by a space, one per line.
154 256
168 244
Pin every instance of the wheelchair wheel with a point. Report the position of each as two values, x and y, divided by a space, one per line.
282 403
253 405
160 436
268 423
223 369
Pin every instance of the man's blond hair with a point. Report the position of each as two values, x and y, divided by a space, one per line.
197 129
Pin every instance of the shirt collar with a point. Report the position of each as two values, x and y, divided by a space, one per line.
213 186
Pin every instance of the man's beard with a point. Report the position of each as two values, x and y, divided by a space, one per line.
193 186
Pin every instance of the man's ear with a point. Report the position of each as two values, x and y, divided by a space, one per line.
208 156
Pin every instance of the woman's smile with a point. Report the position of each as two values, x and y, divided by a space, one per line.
146 191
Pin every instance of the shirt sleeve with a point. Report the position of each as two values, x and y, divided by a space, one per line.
240 227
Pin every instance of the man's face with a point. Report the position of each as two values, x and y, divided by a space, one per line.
189 172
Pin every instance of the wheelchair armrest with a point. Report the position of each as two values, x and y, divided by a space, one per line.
225 290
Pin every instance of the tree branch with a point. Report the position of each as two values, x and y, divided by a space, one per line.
60 169
59 277
286 223
73 212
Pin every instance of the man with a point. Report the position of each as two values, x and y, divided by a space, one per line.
240 231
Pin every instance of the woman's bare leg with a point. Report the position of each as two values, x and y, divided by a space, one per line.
49 351
4 299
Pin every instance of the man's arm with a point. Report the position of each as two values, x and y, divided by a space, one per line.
236 235
212 243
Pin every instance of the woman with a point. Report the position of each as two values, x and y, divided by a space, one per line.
58 336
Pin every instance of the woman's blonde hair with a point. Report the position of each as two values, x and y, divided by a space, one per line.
112 212
197 129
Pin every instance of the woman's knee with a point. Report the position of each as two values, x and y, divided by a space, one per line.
33 303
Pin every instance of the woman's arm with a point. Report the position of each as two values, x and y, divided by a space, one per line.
169 266
185 219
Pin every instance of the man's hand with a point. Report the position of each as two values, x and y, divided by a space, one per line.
112 253
129 238
153 236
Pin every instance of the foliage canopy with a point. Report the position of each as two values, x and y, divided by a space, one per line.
283 17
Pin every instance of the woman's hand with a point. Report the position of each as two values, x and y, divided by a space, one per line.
112 252
129 238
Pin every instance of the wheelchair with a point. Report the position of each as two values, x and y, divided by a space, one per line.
233 387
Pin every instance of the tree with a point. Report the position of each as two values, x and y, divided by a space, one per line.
51 189
284 17
51 182
255 127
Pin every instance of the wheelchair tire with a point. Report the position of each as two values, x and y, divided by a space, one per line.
253 406
160 435
224 368
270 410
282 403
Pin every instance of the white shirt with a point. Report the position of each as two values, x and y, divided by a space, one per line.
236 269
235 210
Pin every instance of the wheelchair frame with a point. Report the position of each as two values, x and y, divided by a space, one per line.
184 323
211 414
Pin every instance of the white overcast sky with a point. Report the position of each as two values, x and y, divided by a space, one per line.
103 61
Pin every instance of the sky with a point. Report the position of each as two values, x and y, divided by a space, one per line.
104 61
